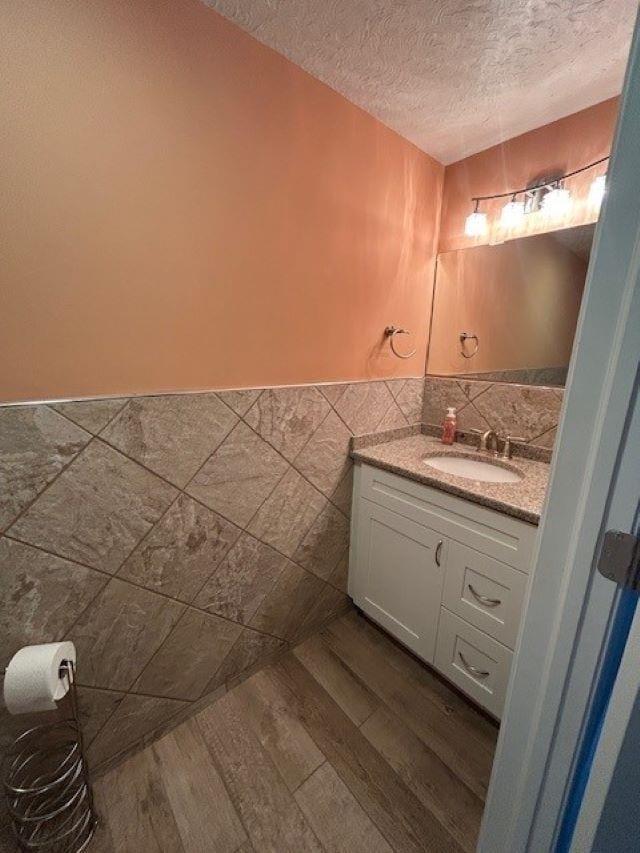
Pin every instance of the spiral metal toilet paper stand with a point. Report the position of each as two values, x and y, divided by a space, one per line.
47 783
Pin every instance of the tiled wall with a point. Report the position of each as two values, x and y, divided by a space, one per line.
527 412
178 540
555 376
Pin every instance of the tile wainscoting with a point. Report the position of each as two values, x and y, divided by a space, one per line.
182 541
529 412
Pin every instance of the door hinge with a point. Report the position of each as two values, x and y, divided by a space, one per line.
619 559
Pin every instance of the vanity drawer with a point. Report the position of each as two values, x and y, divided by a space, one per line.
507 539
475 662
485 592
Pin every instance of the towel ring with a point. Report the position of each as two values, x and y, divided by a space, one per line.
390 332
468 336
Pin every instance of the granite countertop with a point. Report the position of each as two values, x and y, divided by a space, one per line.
405 456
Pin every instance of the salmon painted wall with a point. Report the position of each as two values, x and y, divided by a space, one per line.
184 209
521 298
561 146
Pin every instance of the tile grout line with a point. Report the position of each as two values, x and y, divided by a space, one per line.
375 710
159 649
162 477
243 527
204 690
477 411
344 388
410 423
395 396
229 794
109 577
545 432
217 447
352 435
346 426
215 567
144 538
52 406
480 393
25 509
132 693
308 441
342 420
98 438
244 531
315 518
357 728
279 452
135 746
275 769
14 538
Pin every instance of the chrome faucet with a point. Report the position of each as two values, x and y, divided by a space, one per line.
489 436
485 439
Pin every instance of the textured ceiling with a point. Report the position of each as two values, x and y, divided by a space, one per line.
453 76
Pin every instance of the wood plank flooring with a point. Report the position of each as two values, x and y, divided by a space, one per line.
346 745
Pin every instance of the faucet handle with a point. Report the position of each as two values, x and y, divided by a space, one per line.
506 452
479 433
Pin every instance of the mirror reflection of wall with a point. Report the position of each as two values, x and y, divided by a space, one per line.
520 298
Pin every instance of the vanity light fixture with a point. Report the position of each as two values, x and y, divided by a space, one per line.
476 223
556 202
547 194
512 213
597 190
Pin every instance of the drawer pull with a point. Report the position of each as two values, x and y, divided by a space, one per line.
438 553
488 602
479 673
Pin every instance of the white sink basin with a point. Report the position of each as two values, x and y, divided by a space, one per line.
473 469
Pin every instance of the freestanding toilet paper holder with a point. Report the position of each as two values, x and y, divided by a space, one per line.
47 783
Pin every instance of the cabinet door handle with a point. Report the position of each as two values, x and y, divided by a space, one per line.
439 553
488 602
479 673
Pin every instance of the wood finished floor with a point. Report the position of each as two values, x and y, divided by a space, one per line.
346 744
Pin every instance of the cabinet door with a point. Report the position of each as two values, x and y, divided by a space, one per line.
399 576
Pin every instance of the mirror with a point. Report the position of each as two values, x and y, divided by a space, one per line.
508 312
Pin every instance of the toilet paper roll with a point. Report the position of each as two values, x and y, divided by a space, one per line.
32 680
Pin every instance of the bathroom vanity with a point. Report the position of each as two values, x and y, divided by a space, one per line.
442 561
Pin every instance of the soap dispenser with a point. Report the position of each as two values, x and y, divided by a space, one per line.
449 426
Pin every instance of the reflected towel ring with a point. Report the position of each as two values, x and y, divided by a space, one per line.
468 336
390 332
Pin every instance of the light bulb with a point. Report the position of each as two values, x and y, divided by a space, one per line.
556 202
512 213
597 190
475 224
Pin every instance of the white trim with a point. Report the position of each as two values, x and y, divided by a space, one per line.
566 621
212 390
176 392
460 377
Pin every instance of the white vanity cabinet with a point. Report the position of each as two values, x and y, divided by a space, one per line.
443 575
